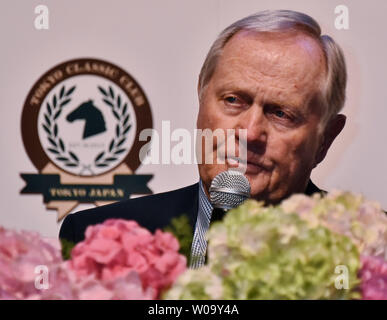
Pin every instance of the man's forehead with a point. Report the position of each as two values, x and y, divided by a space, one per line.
283 61
286 38
275 50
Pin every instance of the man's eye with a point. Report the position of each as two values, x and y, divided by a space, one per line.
277 112
231 99
280 114
234 101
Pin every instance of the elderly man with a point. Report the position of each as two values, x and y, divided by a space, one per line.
273 74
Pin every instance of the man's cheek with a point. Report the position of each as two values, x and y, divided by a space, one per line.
299 159
280 149
208 120
290 144
305 152
286 160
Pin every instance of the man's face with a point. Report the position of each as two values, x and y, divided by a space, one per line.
270 85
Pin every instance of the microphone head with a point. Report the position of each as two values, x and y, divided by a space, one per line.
229 189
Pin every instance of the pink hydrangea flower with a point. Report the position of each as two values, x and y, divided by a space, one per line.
117 260
87 287
117 248
123 288
373 276
20 254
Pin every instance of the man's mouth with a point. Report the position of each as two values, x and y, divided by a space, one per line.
254 168
249 167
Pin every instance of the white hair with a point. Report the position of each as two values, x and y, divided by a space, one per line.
333 91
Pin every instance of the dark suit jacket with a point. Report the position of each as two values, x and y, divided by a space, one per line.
152 212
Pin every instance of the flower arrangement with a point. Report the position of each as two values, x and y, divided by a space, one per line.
293 250
115 248
117 260
20 253
318 247
363 221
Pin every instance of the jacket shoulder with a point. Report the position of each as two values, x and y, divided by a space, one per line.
152 212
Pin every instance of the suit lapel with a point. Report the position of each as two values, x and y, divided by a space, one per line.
193 213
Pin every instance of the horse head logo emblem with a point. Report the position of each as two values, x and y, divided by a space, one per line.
94 120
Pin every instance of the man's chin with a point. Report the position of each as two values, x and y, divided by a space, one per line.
269 198
260 191
260 196
257 177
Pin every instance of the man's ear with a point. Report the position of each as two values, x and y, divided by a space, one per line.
331 131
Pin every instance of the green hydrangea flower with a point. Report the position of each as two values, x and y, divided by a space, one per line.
363 221
261 252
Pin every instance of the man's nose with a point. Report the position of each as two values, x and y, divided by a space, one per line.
255 122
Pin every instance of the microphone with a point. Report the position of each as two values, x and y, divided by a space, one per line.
228 190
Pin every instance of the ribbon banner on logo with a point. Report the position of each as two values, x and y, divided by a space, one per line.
52 189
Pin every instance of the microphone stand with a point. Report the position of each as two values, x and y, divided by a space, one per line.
217 214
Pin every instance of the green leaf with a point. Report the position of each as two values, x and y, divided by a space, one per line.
54 101
111 159
116 115
61 93
181 228
70 91
103 91
46 129
99 156
67 246
117 130
53 150
52 142
127 129
65 102
119 101
111 92
48 122
57 114
100 165
61 144
125 120
111 145
55 130
119 151
108 102
62 158
124 109
72 155
71 164
48 109
120 142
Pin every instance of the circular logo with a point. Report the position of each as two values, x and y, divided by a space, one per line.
85 116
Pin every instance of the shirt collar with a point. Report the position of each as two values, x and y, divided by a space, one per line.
205 207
